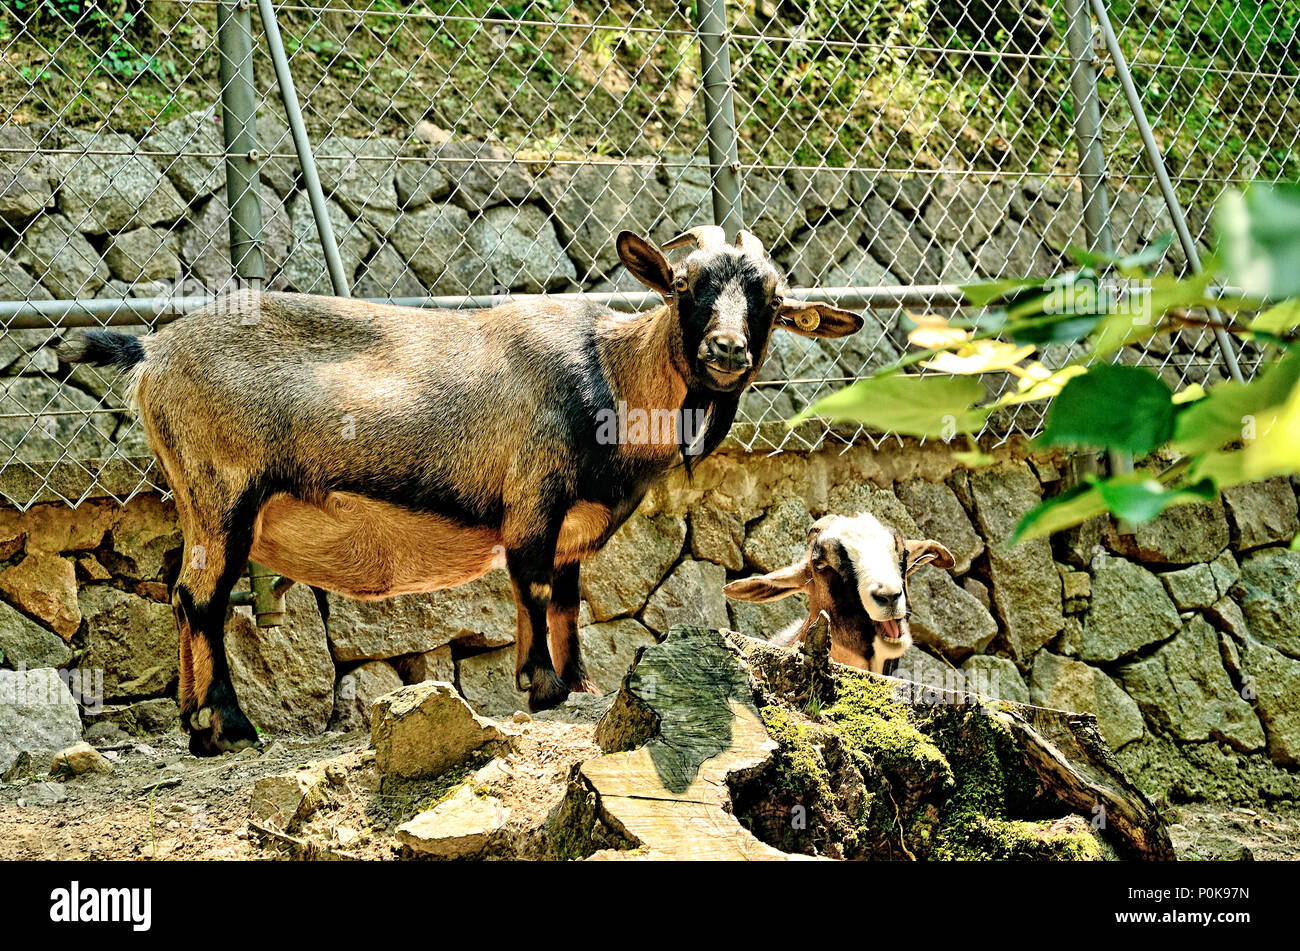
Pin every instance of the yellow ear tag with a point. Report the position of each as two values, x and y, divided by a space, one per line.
807 320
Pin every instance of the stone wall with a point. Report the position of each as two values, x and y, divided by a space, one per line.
1183 638
435 215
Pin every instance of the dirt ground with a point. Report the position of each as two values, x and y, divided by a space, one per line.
161 803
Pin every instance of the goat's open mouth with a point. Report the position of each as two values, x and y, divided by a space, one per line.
892 630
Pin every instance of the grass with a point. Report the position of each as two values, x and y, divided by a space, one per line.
817 82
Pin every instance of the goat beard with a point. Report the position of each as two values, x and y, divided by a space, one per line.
720 412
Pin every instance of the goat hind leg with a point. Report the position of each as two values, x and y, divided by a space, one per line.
562 627
209 708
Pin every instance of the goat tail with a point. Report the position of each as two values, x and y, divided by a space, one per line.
102 348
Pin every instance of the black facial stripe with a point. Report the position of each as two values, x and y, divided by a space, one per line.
696 307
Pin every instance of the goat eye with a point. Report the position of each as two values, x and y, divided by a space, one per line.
681 283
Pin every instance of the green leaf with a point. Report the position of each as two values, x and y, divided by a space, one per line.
939 406
983 293
1072 507
1141 317
1224 414
1137 497
1112 407
1276 451
1278 320
1225 468
1259 239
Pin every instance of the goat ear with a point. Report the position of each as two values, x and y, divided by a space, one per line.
645 262
815 319
772 586
927 552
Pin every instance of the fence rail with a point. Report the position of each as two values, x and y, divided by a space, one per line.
886 151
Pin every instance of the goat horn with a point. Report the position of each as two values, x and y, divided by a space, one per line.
702 236
748 242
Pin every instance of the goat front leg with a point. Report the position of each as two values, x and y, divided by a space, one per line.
531 564
562 623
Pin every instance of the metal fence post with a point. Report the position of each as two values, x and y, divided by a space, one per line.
238 121
235 47
1092 164
1157 163
1087 128
720 115
316 195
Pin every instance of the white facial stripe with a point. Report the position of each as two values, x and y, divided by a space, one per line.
731 309
875 561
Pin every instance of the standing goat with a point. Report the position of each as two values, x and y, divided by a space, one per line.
855 570
373 451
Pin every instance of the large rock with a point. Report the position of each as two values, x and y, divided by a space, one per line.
1272 681
487 679
480 613
1065 684
1269 598
456 828
772 211
967 209
37 714
356 693
1183 689
609 649
358 174
25 175
780 537
304 268
717 534
938 515
432 240
386 274
946 617
131 639
519 248
482 175
995 677
691 595
43 421
116 191
618 579
767 619
144 254
424 729
17 283
60 258
1026 585
1128 611
890 240
283 676
192 148
592 203
1180 535
78 759
922 667
44 586
205 240
1192 587
1261 513
23 641
142 718
814 251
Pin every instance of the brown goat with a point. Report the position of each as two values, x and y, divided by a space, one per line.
372 450
855 570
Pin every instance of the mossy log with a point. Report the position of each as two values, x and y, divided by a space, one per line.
721 746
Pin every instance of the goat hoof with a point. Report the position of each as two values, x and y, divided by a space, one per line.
546 691
585 686
213 732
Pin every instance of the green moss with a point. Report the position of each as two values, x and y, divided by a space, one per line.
1068 839
800 767
871 721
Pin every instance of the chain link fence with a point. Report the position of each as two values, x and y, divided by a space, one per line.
886 151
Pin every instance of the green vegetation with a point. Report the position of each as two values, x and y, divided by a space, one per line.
896 84
1190 445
